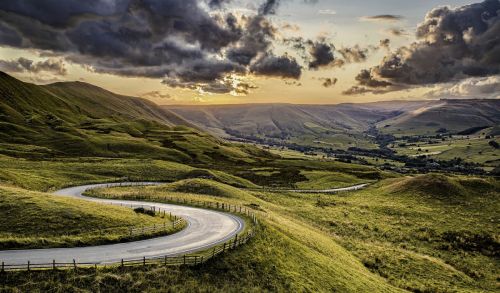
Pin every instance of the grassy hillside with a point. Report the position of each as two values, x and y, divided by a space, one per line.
444 115
35 220
471 148
280 258
79 119
340 126
429 233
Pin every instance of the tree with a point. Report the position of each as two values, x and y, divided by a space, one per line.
494 144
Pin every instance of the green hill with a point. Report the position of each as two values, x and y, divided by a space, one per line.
40 220
451 115
75 118
339 126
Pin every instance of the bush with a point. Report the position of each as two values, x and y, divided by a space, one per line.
142 210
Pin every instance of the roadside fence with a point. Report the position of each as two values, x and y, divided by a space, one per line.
191 259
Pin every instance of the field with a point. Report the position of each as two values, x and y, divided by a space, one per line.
473 148
39 220
404 233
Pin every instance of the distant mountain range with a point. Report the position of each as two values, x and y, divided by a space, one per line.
291 121
76 118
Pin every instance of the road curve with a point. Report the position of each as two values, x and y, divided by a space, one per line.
205 228
333 190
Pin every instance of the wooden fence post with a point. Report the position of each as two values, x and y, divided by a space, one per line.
195 259
28 265
3 267
122 263
53 264
224 247
74 264
144 261
184 259
213 252
165 260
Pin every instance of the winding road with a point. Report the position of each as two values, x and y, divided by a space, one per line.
333 190
205 229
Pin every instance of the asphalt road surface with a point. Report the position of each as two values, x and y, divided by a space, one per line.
205 229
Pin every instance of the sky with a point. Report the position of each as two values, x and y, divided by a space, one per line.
268 51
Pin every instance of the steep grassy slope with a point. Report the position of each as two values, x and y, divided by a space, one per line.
49 175
35 220
340 126
452 115
277 120
301 124
280 258
79 119
429 233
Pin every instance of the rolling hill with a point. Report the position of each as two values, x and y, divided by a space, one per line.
343 125
454 116
338 126
76 118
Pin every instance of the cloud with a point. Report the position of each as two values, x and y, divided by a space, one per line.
452 45
382 18
290 27
183 42
53 66
385 44
396 32
277 66
321 54
483 87
354 54
327 12
258 36
328 82
269 7
158 95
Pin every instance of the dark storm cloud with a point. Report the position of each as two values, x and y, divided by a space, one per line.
269 7
217 3
366 78
321 54
453 44
258 36
278 66
54 66
172 39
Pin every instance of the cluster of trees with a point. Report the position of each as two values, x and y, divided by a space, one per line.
355 154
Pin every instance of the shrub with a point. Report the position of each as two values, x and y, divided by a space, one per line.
142 210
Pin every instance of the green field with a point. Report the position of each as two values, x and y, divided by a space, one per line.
401 233
39 220
474 149
419 233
